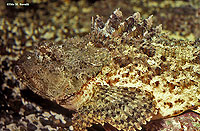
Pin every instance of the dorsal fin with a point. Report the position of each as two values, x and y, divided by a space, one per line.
132 27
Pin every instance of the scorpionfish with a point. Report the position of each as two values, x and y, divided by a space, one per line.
125 72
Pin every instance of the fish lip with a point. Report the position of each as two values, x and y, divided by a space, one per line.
18 72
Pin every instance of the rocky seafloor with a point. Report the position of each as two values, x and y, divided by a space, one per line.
22 26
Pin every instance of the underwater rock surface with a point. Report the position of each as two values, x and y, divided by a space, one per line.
15 104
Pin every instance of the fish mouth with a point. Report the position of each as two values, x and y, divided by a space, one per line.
21 75
18 72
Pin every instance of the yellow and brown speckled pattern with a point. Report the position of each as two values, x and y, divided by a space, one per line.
124 73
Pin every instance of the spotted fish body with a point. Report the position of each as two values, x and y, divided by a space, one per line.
124 73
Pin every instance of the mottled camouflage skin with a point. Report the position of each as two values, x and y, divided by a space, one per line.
124 73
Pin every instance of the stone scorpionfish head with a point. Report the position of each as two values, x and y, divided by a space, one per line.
124 73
